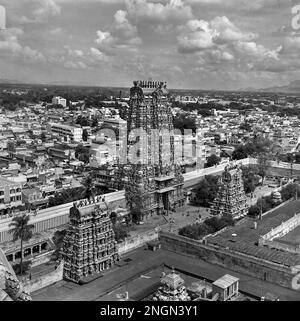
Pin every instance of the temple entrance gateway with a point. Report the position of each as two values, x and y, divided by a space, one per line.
165 197
161 180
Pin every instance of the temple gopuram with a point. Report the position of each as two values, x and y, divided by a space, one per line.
89 246
153 180
172 289
231 199
11 289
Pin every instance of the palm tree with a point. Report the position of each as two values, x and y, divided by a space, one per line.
89 187
21 230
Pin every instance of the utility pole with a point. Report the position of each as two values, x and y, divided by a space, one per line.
260 214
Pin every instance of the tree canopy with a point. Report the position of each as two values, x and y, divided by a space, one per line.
206 191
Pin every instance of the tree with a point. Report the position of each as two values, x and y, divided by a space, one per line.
206 191
254 210
82 121
120 232
246 126
198 231
263 163
113 217
21 229
58 239
289 191
239 153
11 146
82 153
95 122
257 146
185 121
250 178
85 135
43 137
212 160
89 187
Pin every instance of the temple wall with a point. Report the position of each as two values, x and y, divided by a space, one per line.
282 246
235 261
50 218
137 241
44 280
41 259
278 232
281 230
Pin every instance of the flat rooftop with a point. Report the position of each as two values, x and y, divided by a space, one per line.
291 238
247 237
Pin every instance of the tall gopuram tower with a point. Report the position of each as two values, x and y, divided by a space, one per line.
231 199
153 180
89 246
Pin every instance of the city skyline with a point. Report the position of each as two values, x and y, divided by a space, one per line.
196 44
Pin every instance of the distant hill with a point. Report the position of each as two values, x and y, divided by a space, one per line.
292 88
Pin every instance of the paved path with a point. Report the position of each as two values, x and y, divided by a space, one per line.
143 261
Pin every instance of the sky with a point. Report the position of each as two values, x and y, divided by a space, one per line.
191 44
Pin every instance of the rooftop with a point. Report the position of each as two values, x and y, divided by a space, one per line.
172 280
225 281
5 182
247 237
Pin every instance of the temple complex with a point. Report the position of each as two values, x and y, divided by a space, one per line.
89 246
231 199
153 180
11 289
172 289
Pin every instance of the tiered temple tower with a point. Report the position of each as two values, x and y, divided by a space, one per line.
153 181
231 199
172 289
89 246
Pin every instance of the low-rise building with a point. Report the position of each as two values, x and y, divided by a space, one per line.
59 101
67 132
10 196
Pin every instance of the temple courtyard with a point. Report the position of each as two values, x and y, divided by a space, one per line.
143 267
183 216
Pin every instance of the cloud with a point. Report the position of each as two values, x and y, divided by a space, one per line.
97 54
56 31
76 53
145 12
253 49
197 35
32 11
290 45
122 35
75 65
10 45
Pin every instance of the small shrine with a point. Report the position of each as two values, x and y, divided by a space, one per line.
172 289
276 198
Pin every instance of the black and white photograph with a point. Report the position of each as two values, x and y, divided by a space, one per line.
149 154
